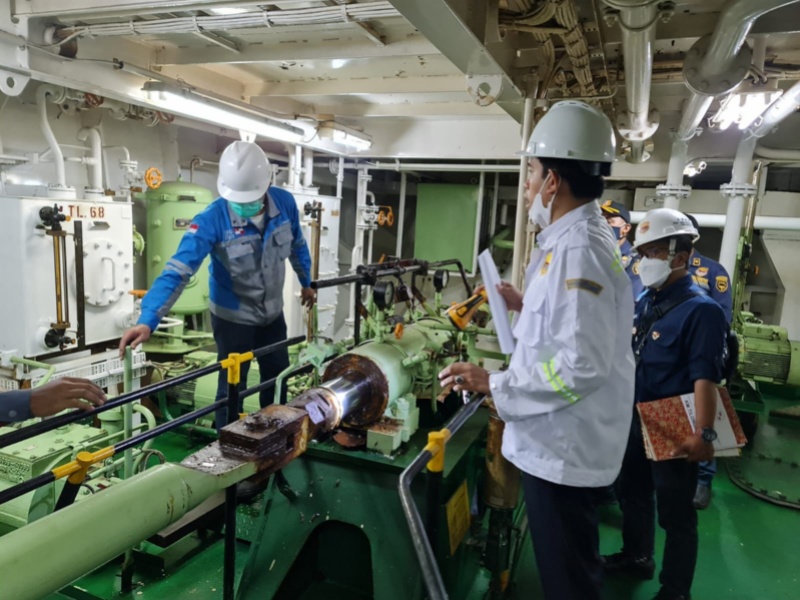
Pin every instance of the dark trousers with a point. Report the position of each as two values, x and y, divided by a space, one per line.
669 485
234 337
563 524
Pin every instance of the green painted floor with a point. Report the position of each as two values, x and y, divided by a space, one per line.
749 550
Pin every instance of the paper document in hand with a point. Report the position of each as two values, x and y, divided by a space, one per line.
666 423
491 279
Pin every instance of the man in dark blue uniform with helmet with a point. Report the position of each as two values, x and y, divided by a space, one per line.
713 279
619 217
680 348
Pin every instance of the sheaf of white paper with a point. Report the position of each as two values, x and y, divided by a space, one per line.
491 279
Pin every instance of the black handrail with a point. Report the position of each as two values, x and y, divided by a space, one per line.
422 545
52 423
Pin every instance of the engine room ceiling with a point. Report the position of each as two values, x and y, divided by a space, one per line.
368 60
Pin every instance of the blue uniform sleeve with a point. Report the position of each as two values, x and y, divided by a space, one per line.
705 342
636 281
720 288
15 406
300 258
195 245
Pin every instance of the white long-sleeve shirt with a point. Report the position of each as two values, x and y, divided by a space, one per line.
567 396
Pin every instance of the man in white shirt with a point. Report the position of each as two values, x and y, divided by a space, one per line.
567 395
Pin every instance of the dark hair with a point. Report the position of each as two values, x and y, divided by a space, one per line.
582 185
693 220
683 243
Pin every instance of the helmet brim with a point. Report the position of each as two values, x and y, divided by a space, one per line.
240 197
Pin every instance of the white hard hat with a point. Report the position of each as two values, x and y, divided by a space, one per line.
574 130
661 223
244 173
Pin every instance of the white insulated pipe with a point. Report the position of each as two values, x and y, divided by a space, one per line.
761 222
42 92
677 163
785 105
95 165
735 22
401 215
521 224
777 154
637 20
298 165
308 168
340 178
370 195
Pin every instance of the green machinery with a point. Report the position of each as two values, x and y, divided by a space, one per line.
332 524
170 210
765 392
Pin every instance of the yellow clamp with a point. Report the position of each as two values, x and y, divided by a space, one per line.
76 470
436 443
234 365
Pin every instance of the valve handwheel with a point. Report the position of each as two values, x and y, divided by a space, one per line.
153 178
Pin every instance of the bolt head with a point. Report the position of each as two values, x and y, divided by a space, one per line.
703 86
691 72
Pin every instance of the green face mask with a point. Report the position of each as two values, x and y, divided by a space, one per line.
247 209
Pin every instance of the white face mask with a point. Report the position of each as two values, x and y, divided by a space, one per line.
655 271
538 214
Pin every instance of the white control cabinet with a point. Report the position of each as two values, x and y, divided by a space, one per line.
27 272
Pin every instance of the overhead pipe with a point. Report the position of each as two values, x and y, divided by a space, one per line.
637 20
521 225
55 94
777 154
401 167
718 220
714 66
95 164
717 65
308 168
740 188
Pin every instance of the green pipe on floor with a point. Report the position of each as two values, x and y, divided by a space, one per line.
81 537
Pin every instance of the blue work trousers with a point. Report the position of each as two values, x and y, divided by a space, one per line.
564 528
669 485
234 337
706 471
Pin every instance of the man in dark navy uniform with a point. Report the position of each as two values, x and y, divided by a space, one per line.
619 218
680 348
713 279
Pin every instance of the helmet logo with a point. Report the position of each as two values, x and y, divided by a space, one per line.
644 227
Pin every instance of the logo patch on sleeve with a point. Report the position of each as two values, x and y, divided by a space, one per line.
722 284
193 228
587 285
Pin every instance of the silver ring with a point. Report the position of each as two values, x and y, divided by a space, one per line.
459 379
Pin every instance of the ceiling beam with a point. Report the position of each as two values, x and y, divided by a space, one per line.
124 8
409 109
349 87
343 48
457 29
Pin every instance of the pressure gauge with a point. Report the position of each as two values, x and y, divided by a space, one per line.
440 279
383 294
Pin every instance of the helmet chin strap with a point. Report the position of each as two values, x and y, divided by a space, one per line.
672 254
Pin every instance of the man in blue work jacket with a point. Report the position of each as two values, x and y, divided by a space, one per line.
619 217
249 232
680 348
713 279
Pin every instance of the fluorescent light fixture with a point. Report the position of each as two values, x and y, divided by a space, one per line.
347 136
196 106
743 108
233 10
